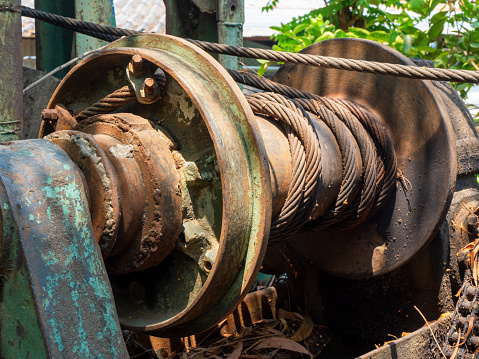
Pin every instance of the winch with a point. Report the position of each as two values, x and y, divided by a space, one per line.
158 190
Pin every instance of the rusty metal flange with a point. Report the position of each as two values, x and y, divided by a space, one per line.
419 126
149 184
104 197
224 183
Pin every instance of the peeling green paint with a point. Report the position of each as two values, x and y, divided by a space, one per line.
17 306
74 303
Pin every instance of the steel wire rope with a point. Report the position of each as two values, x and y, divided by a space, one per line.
360 206
313 158
306 162
300 203
410 71
386 177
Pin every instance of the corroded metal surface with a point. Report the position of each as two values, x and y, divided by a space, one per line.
97 11
422 134
149 186
10 71
101 183
225 183
53 264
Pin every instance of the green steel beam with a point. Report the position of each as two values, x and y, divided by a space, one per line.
230 16
97 11
206 20
184 19
54 45
10 70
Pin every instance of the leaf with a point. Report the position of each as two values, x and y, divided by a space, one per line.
277 28
418 6
237 352
304 330
439 16
358 31
436 29
282 343
281 313
426 48
300 28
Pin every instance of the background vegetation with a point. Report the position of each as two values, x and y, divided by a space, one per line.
446 32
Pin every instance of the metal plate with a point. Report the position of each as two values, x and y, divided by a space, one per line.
418 124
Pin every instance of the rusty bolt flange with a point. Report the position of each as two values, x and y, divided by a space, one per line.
49 114
136 65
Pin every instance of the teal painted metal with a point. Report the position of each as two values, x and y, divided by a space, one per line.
51 54
188 19
100 12
10 71
20 333
230 15
184 19
50 257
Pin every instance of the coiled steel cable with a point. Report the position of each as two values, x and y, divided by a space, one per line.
302 195
305 154
364 171
386 170
109 33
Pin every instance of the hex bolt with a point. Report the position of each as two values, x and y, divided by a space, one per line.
50 114
149 86
136 65
137 62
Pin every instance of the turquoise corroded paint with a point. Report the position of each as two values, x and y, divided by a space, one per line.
20 334
73 298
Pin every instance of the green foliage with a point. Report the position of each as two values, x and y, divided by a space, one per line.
270 5
451 40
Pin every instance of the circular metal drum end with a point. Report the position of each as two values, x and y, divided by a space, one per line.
224 182
419 126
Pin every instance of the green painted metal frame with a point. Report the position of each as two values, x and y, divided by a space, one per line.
100 12
55 297
10 71
184 19
51 54
230 15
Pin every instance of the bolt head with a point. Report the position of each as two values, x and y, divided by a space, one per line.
137 62
136 65
50 114
149 86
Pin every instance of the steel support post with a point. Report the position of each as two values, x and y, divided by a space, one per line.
54 45
185 19
196 19
100 12
10 70
230 16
